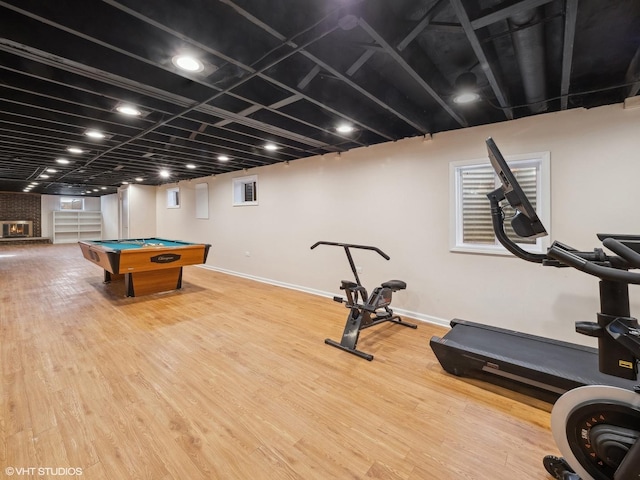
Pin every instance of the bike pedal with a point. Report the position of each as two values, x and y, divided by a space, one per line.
559 468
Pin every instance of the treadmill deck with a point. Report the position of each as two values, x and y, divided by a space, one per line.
536 366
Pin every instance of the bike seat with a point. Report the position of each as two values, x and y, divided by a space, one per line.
395 285
348 284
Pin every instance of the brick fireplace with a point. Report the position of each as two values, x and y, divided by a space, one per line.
16 208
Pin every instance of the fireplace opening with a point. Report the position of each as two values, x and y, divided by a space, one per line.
16 228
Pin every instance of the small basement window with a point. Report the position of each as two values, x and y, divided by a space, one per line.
70 203
245 190
173 197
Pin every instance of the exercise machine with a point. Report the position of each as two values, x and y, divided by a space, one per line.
364 311
596 427
536 366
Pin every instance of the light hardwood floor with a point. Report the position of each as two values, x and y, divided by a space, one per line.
231 379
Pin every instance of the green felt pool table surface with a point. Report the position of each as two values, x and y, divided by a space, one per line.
139 243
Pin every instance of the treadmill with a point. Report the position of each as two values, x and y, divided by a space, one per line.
536 366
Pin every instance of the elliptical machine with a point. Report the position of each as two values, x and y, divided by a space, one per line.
364 311
596 427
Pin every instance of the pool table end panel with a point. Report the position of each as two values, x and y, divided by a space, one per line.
107 259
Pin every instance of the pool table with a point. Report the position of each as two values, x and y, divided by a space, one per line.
148 265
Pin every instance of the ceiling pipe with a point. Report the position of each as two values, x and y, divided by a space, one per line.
528 42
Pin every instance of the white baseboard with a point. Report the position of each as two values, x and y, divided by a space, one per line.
423 317
406 313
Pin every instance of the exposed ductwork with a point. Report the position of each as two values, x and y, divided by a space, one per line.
528 42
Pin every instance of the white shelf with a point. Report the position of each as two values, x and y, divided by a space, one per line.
70 226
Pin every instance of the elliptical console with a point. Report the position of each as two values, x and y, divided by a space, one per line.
596 427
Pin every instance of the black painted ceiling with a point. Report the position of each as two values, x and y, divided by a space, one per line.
283 71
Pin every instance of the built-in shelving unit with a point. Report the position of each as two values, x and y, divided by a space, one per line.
71 226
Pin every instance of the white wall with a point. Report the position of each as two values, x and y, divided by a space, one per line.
181 223
110 216
142 211
49 203
396 196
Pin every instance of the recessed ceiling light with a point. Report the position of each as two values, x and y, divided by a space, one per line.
124 183
62 161
344 128
52 170
188 63
466 88
223 158
164 173
94 134
44 176
139 179
88 191
34 183
95 189
271 147
103 188
128 110
75 150
466 97
190 166
26 190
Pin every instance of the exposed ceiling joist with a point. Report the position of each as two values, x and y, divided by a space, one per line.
571 14
485 63
281 74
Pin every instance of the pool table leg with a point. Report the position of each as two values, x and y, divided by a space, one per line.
128 285
111 277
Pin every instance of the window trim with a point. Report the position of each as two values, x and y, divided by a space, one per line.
237 189
543 159
176 198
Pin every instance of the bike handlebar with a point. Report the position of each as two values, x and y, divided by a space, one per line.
569 257
594 263
351 245
630 255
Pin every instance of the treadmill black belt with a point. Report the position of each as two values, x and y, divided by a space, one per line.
536 366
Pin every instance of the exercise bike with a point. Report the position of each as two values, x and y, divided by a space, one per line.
596 427
364 311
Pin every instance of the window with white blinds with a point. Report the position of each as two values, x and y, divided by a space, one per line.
472 181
